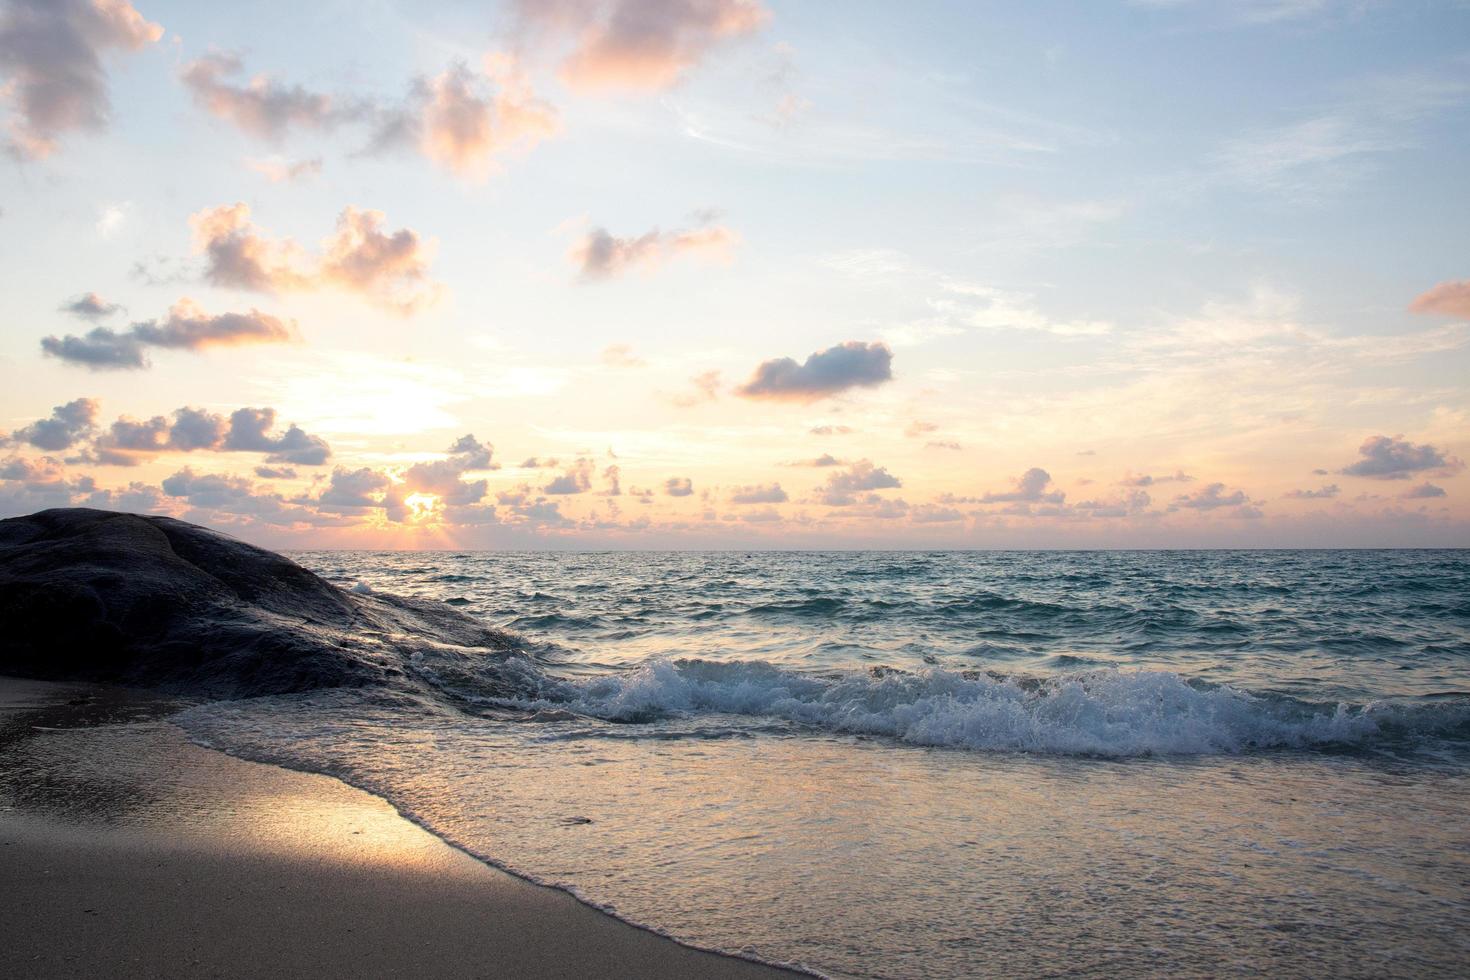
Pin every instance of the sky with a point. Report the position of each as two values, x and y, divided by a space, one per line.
741 273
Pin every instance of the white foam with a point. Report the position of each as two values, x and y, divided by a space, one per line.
1109 712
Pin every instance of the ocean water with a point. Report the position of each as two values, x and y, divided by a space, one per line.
944 764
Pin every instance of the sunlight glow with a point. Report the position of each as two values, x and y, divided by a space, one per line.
422 506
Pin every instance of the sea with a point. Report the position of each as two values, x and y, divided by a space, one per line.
943 764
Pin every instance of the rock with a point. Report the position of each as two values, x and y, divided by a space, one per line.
152 601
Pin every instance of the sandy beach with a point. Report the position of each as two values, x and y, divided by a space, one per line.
126 851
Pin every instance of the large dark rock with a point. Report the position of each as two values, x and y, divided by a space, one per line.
96 595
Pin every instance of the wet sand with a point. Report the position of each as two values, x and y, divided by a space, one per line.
126 851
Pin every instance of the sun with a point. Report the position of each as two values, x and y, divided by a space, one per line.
422 506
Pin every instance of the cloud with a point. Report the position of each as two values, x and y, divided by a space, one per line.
601 256
934 514
261 107
350 491
854 364
99 349
576 479
1315 157
1134 502
945 306
917 428
706 389
769 493
535 511
129 442
987 308
194 428
52 489
1305 158
1146 480
1325 493
621 356
249 432
678 486
210 490
1030 488
826 459
137 498
221 494
1424 491
238 256
66 425
444 479
279 171
830 430
841 488
878 508
788 106
1324 150
90 306
636 45
112 218
1395 458
28 485
466 119
43 470
388 270
461 118
1446 299
51 58
944 444
187 327
275 472
541 512
1210 497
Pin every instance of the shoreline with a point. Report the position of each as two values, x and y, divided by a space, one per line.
131 850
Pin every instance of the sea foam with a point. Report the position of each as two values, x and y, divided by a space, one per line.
1108 712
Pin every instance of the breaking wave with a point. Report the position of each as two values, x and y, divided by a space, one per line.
1099 712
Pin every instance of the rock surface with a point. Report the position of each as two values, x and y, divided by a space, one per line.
95 595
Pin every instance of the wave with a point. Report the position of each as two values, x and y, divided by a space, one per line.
821 606
1100 712
93 595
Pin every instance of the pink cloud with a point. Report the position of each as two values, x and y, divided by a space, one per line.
261 107
461 118
51 59
468 119
639 45
1447 299
600 255
187 327
390 270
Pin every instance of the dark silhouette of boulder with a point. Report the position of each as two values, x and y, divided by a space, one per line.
152 601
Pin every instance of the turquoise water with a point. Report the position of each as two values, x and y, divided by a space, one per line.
945 764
